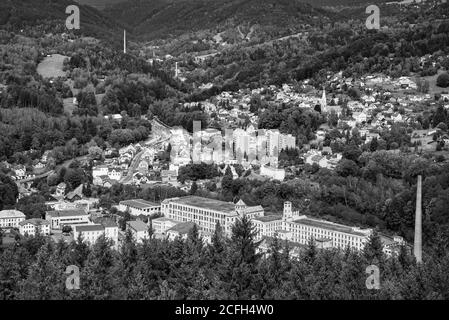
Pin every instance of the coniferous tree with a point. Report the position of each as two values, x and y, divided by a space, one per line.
275 268
124 267
96 280
241 278
46 280
79 251
11 273
373 250
216 249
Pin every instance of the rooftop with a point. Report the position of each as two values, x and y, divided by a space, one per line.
67 213
139 203
182 228
254 209
268 218
105 222
36 222
11 214
138 226
89 227
329 225
206 203
164 219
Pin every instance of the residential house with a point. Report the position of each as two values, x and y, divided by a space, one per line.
60 189
169 176
143 167
34 226
138 229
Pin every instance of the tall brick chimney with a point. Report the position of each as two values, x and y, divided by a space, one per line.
417 250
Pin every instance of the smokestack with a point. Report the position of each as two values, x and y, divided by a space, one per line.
124 41
417 250
177 71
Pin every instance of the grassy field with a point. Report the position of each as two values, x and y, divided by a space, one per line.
433 84
51 67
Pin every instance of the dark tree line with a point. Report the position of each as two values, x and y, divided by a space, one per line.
228 268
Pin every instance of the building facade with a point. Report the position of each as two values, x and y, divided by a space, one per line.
138 229
206 213
301 229
60 218
11 218
34 226
89 233
139 207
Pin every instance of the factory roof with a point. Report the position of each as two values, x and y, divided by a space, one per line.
139 203
330 226
268 218
67 213
227 208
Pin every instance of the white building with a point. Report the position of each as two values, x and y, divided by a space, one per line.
207 212
300 229
11 218
180 230
99 171
102 226
89 233
138 229
138 207
60 218
34 226
115 174
277 141
162 224
272 172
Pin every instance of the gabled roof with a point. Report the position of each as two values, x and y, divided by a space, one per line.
36 222
138 226
182 228
240 203
77 192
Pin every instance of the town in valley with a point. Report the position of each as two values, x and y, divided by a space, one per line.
271 150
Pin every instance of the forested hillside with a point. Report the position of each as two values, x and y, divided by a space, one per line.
50 17
162 18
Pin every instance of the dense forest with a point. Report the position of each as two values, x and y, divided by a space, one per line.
226 269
